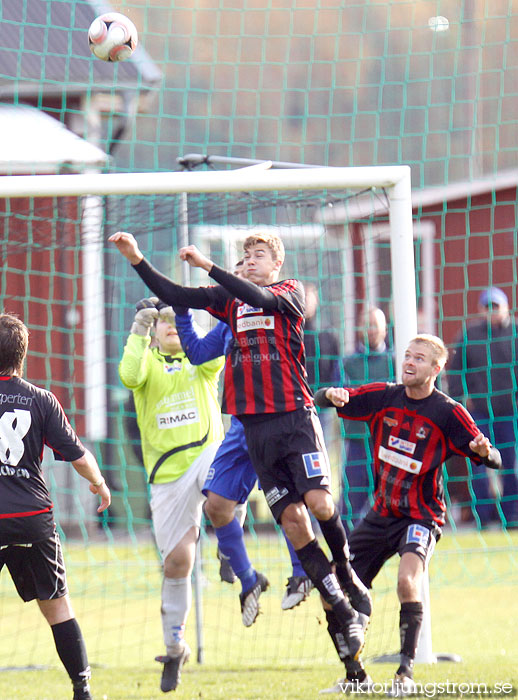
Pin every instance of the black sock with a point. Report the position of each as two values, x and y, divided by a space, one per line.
71 650
318 568
355 670
336 537
410 621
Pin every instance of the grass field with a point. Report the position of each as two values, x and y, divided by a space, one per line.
116 592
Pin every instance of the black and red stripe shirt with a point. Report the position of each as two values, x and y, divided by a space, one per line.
30 418
265 368
411 440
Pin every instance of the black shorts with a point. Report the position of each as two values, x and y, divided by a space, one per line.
289 456
376 539
38 570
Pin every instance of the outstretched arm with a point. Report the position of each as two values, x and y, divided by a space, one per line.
238 287
127 245
163 287
331 396
201 349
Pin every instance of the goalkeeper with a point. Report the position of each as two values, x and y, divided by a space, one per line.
180 425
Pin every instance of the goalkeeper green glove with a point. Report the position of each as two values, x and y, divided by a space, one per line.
145 316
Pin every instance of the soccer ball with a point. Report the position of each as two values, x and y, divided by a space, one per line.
112 37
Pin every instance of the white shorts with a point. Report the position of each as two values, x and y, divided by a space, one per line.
177 505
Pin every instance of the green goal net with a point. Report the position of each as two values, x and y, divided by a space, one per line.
329 83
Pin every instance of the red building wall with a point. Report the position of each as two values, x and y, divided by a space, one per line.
41 281
475 247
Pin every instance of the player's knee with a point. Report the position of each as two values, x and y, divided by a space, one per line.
177 567
320 503
219 511
56 610
407 588
297 527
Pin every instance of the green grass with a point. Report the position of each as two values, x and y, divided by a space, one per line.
116 594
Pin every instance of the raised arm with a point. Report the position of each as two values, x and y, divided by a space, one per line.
163 287
238 287
201 349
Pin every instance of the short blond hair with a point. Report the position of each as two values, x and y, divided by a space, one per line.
272 240
436 345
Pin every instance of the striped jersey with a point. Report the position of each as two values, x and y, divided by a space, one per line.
30 418
265 368
411 440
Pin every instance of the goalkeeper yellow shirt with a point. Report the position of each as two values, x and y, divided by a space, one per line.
177 406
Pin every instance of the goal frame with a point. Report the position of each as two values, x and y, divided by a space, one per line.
395 180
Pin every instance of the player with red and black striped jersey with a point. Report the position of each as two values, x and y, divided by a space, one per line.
30 547
414 428
266 388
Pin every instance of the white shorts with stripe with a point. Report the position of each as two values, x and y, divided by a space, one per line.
177 505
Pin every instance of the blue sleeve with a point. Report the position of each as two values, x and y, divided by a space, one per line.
201 349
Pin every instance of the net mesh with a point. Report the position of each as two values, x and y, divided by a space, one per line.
329 83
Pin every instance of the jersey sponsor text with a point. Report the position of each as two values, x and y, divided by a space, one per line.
175 418
404 445
400 461
252 323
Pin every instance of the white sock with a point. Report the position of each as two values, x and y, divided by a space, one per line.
176 603
240 512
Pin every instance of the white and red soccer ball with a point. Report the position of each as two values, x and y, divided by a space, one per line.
112 37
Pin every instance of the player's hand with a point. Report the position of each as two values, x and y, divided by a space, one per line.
192 255
104 492
127 245
165 313
481 445
145 316
338 396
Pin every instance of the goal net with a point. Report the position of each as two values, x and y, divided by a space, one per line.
348 237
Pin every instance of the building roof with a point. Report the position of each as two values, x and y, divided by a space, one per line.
33 142
44 48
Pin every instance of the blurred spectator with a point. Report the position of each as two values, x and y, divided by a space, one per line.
322 347
322 361
372 362
484 373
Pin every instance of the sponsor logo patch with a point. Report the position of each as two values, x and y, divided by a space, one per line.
243 309
393 422
408 464
417 534
403 445
315 464
170 369
172 419
252 323
274 495
422 432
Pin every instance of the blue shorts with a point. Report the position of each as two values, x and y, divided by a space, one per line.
231 474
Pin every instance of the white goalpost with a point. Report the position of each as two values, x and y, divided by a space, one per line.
395 181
